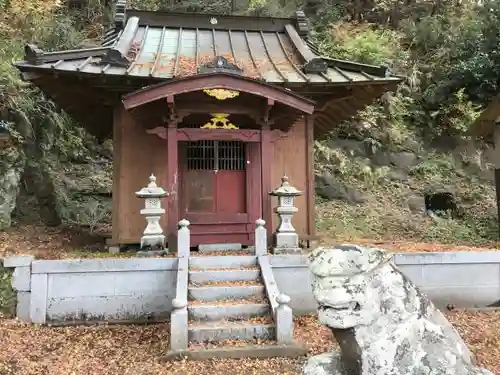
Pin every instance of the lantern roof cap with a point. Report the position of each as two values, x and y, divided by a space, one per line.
286 189
152 190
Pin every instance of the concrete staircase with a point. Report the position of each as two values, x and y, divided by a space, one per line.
222 310
227 296
227 300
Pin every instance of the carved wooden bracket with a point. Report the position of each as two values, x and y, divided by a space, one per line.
277 134
159 131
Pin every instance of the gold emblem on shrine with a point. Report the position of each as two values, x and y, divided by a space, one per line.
219 121
221 94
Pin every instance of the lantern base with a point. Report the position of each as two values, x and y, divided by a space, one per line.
286 250
286 243
154 241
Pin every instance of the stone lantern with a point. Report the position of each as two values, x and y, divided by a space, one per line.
153 234
286 239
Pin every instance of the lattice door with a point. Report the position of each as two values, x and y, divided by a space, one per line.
214 180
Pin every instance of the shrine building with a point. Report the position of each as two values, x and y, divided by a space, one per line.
218 108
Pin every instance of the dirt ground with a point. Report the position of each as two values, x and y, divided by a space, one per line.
61 243
123 350
133 350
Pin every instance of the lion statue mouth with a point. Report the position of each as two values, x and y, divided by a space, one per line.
345 307
381 321
349 306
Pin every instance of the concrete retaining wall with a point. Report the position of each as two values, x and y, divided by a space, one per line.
94 290
459 279
143 289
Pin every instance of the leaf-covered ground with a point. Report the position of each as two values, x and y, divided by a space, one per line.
61 243
133 350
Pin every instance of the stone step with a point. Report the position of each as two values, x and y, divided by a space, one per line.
216 292
262 351
235 261
221 331
200 277
219 253
228 311
220 247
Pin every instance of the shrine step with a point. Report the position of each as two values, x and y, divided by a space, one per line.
202 352
227 311
221 292
220 247
222 331
236 261
206 276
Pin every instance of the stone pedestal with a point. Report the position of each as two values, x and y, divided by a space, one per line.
286 240
153 236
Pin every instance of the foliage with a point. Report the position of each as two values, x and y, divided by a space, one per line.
7 293
23 107
361 42
447 50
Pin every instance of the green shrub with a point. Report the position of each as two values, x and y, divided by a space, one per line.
7 294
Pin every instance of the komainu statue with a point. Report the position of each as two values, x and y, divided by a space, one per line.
383 324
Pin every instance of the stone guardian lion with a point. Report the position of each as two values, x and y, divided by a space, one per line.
383 324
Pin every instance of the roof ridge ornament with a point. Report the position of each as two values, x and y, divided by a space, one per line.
303 25
120 14
118 54
32 53
220 64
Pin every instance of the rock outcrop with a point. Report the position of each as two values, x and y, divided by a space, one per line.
11 166
382 322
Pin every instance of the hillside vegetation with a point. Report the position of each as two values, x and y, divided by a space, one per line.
373 172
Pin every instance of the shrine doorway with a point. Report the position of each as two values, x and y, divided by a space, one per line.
214 194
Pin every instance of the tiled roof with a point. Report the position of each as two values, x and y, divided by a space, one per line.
145 48
172 45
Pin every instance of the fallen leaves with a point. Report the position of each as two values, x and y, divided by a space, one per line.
134 349
227 283
255 299
409 246
63 243
215 253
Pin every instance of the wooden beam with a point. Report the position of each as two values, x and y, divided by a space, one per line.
213 81
244 135
189 107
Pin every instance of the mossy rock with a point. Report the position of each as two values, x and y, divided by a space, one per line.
8 296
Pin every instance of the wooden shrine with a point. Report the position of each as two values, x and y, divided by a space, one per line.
218 108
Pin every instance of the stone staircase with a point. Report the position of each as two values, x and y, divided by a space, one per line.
228 297
227 300
228 306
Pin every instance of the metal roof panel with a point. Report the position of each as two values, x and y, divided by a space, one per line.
163 51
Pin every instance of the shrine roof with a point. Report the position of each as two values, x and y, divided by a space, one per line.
165 45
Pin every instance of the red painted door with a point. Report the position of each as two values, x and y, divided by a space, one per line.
214 193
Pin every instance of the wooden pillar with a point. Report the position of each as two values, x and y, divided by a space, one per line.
310 186
172 186
266 162
496 140
117 170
